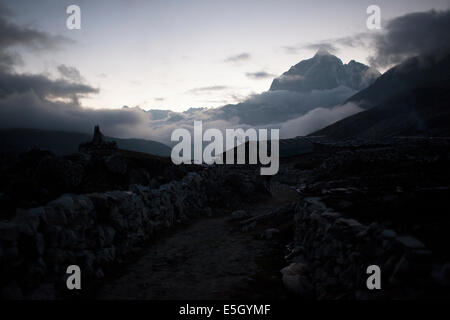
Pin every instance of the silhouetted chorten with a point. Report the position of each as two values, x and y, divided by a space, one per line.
98 137
98 143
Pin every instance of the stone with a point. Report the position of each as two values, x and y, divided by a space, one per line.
388 233
9 231
107 235
269 233
208 212
99 274
52 235
88 260
55 257
419 255
106 256
442 275
60 210
411 242
295 279
352 223
67 238
239 214
43 292
35 272
11 291
40 244
29 220
401 271
331 214
249 227
296 251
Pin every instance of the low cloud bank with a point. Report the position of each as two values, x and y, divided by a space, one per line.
317 119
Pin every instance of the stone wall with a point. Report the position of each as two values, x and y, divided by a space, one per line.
94 231
331 253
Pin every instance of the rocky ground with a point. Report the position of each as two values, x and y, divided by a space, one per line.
371 202
213 258
401 183
226 232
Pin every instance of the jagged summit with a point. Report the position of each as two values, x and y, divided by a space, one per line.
325 71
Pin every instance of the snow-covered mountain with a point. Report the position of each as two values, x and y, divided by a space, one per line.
325 71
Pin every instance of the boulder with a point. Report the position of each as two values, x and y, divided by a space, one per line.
269 233
411 242
239 215
296 280
9 231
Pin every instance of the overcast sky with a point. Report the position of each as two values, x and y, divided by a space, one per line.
177 54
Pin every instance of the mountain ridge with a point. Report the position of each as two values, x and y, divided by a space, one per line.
65 142
325 71
411 98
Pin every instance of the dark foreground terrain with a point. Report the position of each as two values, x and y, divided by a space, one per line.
141 228
213 258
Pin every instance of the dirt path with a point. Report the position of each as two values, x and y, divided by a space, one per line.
209 259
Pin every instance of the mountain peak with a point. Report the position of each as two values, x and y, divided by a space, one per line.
325 71
322 52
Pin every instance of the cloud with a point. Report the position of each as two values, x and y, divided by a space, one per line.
293 113
70 73
321 46
238 58
4 11
36 101
26 101
8 60
29 110
363 39
282 105
290 77
208 89
413 34
291 49
316 119
259 75
42 86
12 35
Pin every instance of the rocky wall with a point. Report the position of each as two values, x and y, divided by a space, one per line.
94 231
330 255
